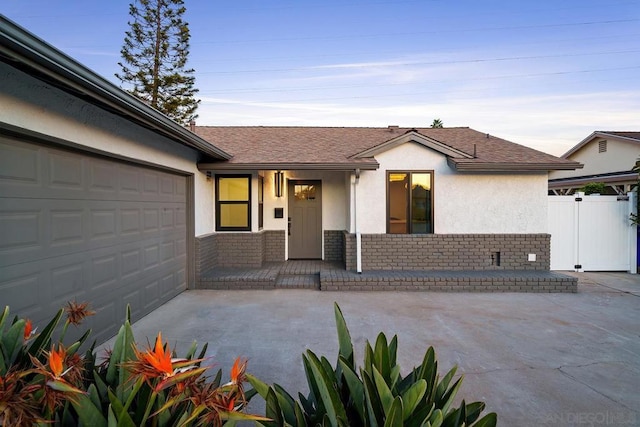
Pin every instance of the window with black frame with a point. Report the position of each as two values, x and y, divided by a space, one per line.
233 202
409 202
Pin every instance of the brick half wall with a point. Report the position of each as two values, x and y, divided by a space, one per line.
449 251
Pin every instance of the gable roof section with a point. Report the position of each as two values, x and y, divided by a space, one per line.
633 137
23 50
413 136
342 148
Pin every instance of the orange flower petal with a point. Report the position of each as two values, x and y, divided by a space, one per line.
55 360
28 328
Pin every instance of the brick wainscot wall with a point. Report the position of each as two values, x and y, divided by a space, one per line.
449 251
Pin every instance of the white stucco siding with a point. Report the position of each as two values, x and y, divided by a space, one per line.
463 203
490 203
34 105
620 156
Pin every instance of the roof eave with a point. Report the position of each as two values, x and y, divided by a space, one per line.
511 167
288 166
22 46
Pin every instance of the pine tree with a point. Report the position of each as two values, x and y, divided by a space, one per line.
154 58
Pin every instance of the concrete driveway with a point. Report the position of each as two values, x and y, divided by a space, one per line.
535 359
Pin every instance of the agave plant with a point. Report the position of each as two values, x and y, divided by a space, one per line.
376 394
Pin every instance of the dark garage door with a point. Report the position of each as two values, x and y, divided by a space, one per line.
74 226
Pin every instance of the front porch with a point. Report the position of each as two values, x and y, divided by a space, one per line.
332 276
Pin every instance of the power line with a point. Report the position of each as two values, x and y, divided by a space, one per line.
398 64
556 73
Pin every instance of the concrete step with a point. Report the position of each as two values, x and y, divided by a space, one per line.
298 281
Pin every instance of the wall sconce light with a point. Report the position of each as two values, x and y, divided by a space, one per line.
278 182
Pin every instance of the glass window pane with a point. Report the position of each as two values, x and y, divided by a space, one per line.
421 203
234 215
398 202
233 189
304 192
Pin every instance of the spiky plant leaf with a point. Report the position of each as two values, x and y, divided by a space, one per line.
489 420
355 386
327 391
394 417
344 338
412 397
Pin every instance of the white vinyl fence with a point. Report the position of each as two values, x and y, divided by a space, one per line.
592 233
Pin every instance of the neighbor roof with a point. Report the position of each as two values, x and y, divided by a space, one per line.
23 50
344 148
625 135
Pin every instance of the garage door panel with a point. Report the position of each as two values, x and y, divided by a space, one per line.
19 164
78 227
33 231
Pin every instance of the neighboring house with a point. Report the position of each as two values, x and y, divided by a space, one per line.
608 158
100 196
378 198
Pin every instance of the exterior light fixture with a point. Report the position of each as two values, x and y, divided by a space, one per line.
278 183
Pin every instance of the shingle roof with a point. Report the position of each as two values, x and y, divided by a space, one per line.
338 147
625 134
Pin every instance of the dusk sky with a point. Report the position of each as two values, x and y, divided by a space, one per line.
545 74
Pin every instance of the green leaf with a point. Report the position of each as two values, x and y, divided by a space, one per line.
87 411
381 360
63 386
375 414
273 410
489 420
43 340
443 386
344 338
328 393
95 397
428 371
450 395
473 410
122 352
261 387
3 318
456 417
386 397
13 339
436 418
356 388
287 404
119 411
412 397
300 420
393 350
394 418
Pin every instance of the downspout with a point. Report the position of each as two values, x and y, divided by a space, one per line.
355 220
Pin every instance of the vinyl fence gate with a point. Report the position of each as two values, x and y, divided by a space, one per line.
592 233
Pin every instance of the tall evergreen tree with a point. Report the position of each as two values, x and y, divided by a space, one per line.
154 58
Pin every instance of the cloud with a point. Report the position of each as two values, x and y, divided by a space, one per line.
550 123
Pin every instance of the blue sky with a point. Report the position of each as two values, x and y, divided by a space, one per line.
541 73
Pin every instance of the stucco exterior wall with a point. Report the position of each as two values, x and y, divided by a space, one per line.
463 202
620 156
34 105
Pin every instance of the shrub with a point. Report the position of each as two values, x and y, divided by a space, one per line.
374 395
593 188
46 382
